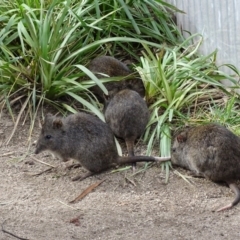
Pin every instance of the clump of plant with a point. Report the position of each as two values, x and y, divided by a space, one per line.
177 81
46 45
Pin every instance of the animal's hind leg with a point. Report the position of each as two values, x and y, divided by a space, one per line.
236 190
130 148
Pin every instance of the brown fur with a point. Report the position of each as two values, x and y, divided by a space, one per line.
127 115
211 151
114 68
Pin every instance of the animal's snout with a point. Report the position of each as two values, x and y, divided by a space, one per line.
173 149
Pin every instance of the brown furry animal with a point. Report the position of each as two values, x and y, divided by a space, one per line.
106 65
210 151
85 138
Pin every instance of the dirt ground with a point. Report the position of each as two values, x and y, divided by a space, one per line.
125 207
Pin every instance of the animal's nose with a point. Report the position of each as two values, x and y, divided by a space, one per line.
173 149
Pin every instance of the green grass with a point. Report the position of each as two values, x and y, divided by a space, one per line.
224 111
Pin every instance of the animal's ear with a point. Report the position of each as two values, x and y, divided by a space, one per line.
182 137
47 118
57 123
48 115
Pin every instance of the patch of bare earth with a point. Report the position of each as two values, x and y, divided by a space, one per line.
122 207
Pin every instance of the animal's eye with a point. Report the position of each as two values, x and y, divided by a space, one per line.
48 136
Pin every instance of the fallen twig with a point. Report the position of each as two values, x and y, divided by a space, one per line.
38 174
5 203
87 191
131 181
34 158
12 234
184 177
7 154
67 205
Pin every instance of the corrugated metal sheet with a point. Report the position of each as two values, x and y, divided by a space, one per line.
219 23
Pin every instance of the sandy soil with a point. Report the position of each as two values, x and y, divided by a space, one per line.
125 207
